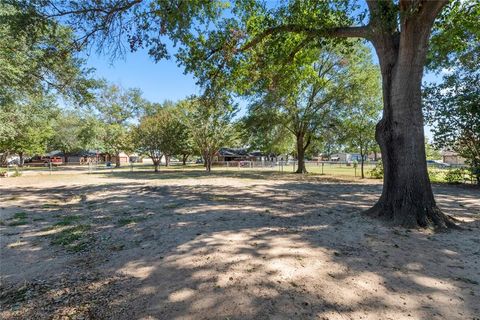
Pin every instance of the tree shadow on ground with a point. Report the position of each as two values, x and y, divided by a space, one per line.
261 174
293 249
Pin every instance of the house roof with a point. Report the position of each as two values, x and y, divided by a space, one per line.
240 152
81 153
256 154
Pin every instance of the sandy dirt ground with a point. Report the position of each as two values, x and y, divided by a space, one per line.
188 245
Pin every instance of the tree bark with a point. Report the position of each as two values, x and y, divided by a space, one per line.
3 158
204 157
362 161
407 198
184 159
167 161
301 154
208 163
156 160
117 160
20 159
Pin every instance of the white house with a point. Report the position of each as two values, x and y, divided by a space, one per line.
451 157
345 157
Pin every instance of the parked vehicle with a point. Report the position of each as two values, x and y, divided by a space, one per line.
56 160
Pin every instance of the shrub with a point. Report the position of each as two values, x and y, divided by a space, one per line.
455 175
377 172
474 173
436 175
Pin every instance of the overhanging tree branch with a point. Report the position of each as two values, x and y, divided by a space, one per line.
341 32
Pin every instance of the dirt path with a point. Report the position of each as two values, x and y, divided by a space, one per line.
227 246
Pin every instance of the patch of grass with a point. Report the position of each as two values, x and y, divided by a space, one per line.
126 221
171 205
73 239
50 205
19 219
67 220
47 228
15 295
220 198
18 223
103 218
20 215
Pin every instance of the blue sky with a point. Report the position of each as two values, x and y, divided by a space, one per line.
158 81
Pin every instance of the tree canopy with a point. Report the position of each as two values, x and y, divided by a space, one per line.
37 55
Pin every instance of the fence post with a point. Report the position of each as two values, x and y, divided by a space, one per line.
322 167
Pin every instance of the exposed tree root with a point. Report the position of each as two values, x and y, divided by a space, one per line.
411 216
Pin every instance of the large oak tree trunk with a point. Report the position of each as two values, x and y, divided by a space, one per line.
407 198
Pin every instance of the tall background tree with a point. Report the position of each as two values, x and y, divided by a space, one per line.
27 125
147 137
116 108
209 121
362 110
259 131
163 133
66 133
359 131
306 98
